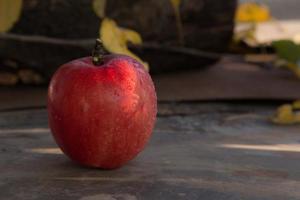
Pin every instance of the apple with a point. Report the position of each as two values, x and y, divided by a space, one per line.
102 109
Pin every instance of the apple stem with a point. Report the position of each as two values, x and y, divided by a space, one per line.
98 53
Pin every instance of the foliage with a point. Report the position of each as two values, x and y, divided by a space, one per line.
252 12
286 114
296 105
115 39
289 55
99 7
287 50
247 16
10 11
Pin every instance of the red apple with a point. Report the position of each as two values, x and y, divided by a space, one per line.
102 115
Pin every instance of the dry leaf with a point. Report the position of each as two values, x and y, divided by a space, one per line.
252 12
175 3
99 7
28 76
115 39
286 115
8 79
131 36
10 11
296 105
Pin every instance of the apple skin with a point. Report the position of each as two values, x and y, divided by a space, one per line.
102 116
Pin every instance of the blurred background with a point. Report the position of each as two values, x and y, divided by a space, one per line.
233 50
227 76
67 29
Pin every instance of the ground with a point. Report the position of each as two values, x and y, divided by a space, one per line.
223 151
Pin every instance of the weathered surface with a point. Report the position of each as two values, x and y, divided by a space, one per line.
230 81
198 151
50 33
227 80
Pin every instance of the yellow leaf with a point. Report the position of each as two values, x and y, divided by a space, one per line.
115 39
286 115
132 36
99 7
252 12
176 3
10 11
296 105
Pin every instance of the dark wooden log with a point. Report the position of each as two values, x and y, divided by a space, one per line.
50 33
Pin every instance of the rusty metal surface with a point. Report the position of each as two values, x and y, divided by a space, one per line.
198 151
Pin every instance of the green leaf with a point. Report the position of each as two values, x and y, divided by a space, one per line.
287 50
99 7
10 11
